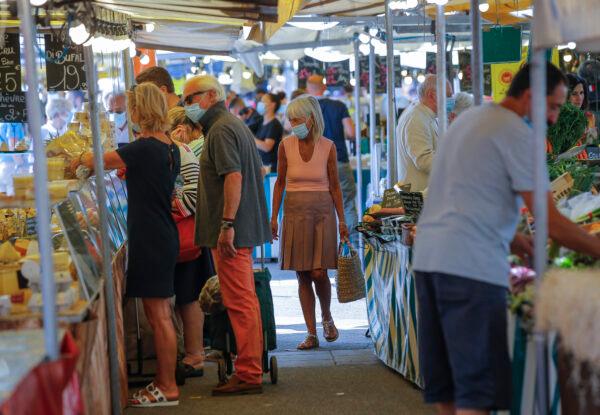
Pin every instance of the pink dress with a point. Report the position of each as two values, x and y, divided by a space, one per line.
309 231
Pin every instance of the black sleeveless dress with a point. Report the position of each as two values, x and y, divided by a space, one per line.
152 167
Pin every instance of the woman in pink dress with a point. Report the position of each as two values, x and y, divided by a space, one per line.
307 172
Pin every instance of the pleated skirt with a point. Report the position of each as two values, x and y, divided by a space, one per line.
309 232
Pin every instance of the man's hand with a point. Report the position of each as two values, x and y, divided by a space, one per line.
344 234
522 246
275 229
225 245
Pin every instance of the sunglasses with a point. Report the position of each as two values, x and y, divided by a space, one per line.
188 100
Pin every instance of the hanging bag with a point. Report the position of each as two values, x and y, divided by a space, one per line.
350 281
186 226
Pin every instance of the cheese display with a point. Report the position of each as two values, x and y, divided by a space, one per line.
22 184
56 168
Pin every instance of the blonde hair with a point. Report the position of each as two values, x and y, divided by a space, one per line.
208 83
150 105
303 107
177 117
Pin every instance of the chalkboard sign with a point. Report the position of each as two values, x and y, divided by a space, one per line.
308 66
10 64
31 226
380 73
13 107
64 65
391 199
337 74
412 202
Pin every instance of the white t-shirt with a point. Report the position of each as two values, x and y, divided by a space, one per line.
473 205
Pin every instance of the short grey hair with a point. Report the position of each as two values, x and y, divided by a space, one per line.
208 83
462 102
57 106
303 107
429 84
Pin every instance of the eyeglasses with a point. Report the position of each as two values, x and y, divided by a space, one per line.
188 100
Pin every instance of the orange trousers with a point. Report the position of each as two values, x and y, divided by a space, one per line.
236 279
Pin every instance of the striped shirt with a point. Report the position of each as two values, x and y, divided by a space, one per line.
186 185
197 146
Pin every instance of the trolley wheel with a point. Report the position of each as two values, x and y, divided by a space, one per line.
222 371
273 370
180 375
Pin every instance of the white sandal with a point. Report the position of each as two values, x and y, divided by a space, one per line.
140 399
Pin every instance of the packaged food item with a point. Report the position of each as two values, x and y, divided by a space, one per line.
56 168
58 189
8 254
22 184
9 283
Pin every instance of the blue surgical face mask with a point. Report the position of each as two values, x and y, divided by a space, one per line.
120 119
450 104
136 127
194 112
301 131
260 108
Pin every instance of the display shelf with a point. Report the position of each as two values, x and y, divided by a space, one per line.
20 352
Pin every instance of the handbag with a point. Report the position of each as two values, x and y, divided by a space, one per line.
186 227
350 281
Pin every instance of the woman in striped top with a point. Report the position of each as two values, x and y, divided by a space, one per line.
190 276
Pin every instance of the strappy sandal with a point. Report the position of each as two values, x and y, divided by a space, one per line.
150 397
311 342
330 332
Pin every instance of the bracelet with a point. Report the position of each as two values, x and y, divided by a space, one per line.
228 220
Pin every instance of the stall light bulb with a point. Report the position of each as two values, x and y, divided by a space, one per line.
571 45
363 37
150 27
206 60
420 78
194 69
460 76
411 4
193 59
280 78
484 7
567 58
364 49
404 72
203 73
37 3
144 59
373 32
79 34
246 75
353 82
408 80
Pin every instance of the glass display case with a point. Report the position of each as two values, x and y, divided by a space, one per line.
75 237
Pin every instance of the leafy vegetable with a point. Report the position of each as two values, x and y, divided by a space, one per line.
569 129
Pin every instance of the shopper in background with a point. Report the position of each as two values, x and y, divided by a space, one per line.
77 99
297 92
186 131
116 106
307 173
270 133
417 136
462 245
153 164
338 128
231 95
578 96
458 104
161 78
190 276
58 113
258 94
236 105
231 218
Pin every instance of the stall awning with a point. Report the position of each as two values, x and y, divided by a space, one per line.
501 12
562 21
343 7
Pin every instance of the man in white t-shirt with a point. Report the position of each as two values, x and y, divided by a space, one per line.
480 177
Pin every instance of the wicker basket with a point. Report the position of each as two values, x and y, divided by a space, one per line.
350 281
561 187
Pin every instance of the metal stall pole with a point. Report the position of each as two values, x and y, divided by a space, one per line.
109 292
440 36
357 131
392 167
40 169
538 88
129 80
373 124
476 53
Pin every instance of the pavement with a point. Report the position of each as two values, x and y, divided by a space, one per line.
340 377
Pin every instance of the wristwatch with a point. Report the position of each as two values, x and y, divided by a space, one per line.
226 224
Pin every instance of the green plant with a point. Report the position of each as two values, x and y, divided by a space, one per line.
569 129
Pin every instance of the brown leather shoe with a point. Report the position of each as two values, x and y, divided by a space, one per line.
236 386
